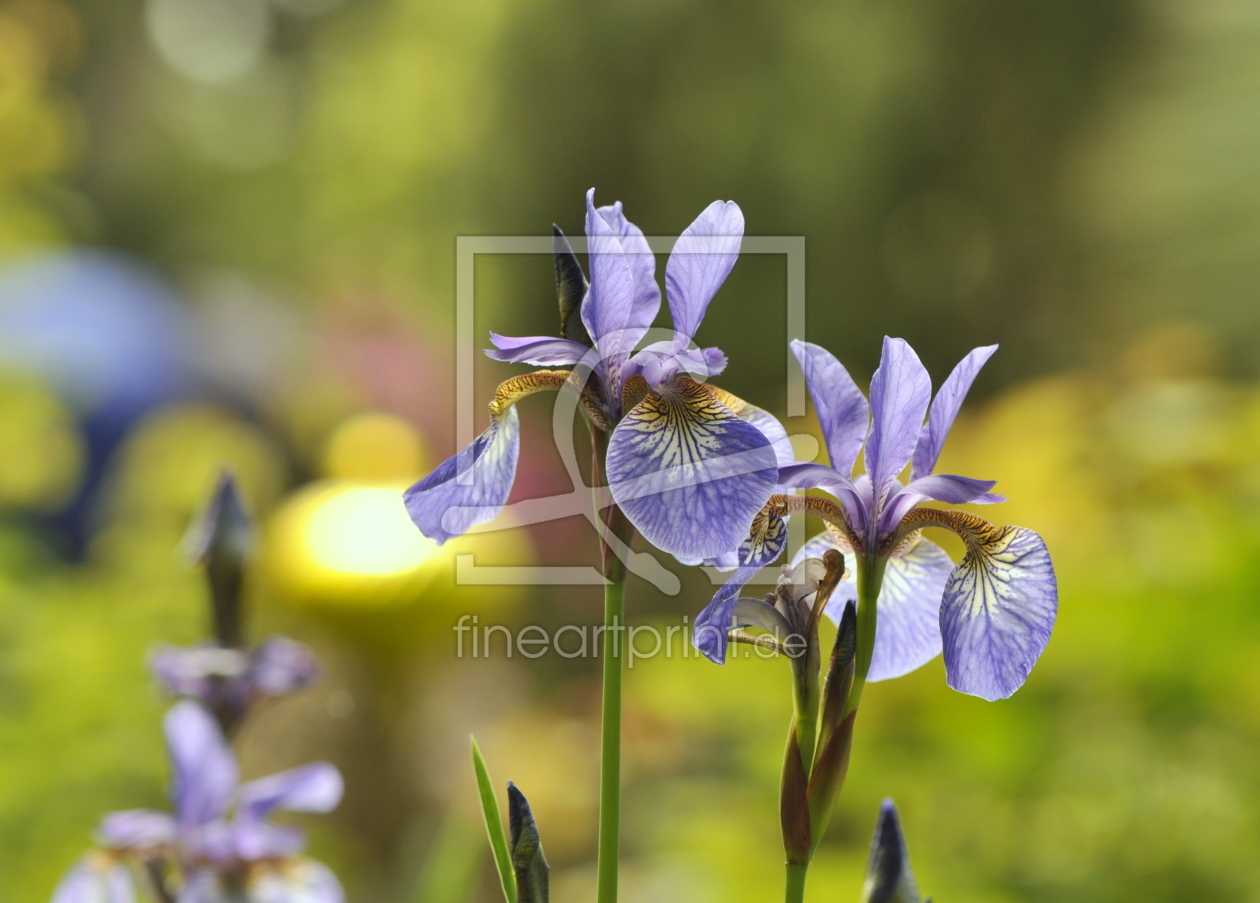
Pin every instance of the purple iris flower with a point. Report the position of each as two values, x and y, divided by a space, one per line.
688 464
230 681
219 837
991 614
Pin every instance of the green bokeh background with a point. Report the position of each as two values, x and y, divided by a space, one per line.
1078 181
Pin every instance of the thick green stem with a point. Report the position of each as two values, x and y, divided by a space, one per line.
610 742
796 882
870 577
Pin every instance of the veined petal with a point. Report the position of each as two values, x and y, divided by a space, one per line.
1000 605
539 350
948 488
468 488
642 262
763 420
908 632
765 543
609 303
945 408
96 878
311 788
296 881
843 412
900 391
206 775
136 829
700 261
687 472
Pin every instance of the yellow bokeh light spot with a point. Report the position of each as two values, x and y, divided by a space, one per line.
375 447
365 530
350 542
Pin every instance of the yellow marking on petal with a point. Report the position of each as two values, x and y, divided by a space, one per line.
734 402
679 418
824 509
513 390
634 391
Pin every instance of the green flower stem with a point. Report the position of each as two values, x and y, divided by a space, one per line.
610 742
870 577
796 882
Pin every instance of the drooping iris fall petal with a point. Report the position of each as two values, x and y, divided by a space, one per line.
688 473
470 487
764 544
999 608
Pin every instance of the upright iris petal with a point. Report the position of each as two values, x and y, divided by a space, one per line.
699 263
945 407
843 412
642 263
205 769
609 308
900 392
688 473
999 607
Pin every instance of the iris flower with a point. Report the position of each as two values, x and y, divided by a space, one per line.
219 838
230 682
991 613
686 463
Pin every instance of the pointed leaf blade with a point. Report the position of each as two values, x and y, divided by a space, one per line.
494 824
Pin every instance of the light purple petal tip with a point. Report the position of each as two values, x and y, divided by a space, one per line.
700 261
206 775
688 473
843 412
540 351
999 609
945 408
96 879
900 392
280 666
311 788
136 829
470 487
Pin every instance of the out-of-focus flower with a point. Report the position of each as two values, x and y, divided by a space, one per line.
992 612
219 837
98 878
232 679
688 465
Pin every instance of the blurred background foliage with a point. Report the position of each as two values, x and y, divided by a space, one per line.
227 232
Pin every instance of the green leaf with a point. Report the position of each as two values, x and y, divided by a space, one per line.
494 824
